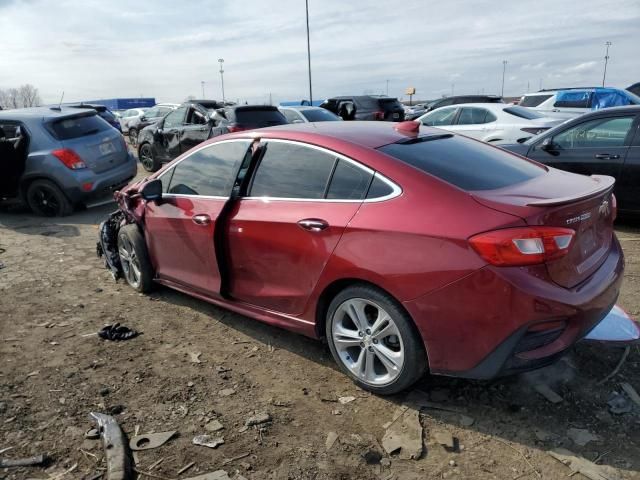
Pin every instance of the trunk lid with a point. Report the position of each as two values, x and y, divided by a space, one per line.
583 204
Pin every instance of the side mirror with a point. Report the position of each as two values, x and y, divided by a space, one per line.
143 118
547 145
152 190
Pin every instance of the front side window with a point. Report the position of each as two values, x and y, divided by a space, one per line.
440 117
152 113
210 171
291 116
533 100
292 171
602 132
175 118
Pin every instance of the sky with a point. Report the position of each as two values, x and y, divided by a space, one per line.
93 49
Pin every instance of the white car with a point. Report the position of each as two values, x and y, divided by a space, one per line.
308 114
573 102
128 115
496 123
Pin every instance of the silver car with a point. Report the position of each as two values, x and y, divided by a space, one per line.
55 158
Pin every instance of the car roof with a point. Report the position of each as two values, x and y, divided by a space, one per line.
42 112
486 106
301 107
365 133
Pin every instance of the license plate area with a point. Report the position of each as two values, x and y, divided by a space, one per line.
107 148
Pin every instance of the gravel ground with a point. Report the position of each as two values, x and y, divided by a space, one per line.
195 363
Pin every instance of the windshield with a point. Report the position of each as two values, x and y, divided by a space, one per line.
523 112
320 115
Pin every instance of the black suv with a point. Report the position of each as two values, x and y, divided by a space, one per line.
365 107
445 102
194 122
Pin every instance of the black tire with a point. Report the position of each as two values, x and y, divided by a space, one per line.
133 137
130 240
47 200
415 360
148 160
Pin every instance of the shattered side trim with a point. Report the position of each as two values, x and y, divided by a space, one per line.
107 245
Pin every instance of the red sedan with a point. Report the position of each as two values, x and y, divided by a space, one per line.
407 250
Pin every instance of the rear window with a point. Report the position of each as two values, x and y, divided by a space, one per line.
76 127
463 162
523 112
389 103
573 99
533 100
320 115
260 118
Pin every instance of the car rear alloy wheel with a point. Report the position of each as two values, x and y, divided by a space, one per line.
134 259
374 341
47 200
147 159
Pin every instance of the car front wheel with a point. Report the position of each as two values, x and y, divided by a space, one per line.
147 159
374 340
134 258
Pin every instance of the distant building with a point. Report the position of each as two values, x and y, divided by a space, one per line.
123 103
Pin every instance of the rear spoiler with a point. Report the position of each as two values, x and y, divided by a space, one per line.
605 183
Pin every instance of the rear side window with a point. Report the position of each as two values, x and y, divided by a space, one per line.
474 116
379 188
568 99
292 171
533 100
260 118
76 127
349 182
463 162
210 171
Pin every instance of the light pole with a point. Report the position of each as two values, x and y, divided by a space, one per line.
453 87
202 83
387 88
221 62
309 54
504 69
606 60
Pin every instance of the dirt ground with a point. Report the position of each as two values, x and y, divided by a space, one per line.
195 363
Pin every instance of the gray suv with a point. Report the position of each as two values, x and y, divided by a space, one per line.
54 158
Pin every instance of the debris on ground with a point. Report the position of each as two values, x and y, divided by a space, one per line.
117 332
22 462
258 419
331 440
546 391
404 434
217 475
195 357
214 426
631 392
236 458
208 441
445 439
92 434
581 436
115 447
345 400
372 457
619 403
185 468
226 392
150 440
585 467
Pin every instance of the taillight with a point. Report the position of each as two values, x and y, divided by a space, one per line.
69 158
534 131
378 115
235 128
523 245
614 207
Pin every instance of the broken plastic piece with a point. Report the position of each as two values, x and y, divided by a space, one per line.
617 326
115 447
22 462
117 332
150 440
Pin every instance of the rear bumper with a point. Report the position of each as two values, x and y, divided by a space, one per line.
500 321
103 183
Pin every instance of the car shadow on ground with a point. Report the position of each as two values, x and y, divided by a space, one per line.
508 408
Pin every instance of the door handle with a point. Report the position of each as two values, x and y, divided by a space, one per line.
606 156
313 224
201 219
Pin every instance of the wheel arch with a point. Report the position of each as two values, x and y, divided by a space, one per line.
26 181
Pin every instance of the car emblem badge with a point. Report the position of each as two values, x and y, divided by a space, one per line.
604 209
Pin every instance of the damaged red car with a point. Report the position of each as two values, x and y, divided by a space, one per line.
409 251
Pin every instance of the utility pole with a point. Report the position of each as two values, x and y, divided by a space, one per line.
221 62
453 87
504 69
387 88
528 86
540 84
202 83
309 54
606 60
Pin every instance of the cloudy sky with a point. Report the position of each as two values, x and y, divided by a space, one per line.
102 49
